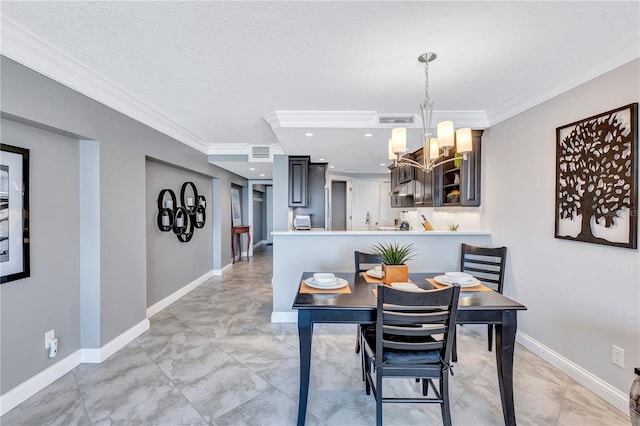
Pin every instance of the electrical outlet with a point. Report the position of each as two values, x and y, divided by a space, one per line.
617 356
48 337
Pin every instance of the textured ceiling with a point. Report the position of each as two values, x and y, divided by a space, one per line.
216 68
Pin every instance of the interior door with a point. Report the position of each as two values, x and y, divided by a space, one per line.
365 204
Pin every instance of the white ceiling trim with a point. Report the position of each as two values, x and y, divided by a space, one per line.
240 149
339 119
593 66
367 119
31 51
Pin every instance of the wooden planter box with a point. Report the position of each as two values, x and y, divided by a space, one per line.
395 273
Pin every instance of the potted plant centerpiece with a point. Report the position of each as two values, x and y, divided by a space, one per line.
394 257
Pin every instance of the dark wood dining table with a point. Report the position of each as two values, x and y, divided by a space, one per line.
359 307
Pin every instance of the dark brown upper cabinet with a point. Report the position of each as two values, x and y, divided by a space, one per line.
462 175
298 181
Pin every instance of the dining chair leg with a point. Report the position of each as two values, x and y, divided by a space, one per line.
444 395
378 394
454 349
425 387
358 339
490 336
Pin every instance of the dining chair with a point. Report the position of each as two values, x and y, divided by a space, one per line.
364 262
487 265
411 340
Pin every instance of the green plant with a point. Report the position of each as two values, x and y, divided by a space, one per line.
458 159
452 226
394 253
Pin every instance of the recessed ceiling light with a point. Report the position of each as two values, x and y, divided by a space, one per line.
308 134
262 174
332 167
382 164
320 159
368 135
252 168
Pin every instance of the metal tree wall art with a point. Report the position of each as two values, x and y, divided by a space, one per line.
596 179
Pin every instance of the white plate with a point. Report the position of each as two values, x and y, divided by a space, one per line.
375 274
338 284
405 286
442 279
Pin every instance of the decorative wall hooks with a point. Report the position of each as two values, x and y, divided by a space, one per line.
183 219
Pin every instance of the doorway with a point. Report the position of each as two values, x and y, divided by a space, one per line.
338 205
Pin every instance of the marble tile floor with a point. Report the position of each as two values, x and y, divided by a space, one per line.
215 358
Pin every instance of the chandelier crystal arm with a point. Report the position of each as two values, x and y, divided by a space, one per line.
426 167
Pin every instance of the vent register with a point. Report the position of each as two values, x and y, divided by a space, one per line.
260 153
396 119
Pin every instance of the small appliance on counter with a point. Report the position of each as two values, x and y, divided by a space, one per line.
302 222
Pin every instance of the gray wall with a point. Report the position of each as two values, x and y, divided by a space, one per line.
171 263
50 297
122 148
582 298
280 196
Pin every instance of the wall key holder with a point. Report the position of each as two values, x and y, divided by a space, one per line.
183 219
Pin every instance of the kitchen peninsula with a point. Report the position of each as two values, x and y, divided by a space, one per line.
295 252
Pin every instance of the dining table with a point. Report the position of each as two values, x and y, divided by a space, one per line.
356 304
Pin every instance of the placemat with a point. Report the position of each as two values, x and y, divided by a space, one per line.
480 287
304 288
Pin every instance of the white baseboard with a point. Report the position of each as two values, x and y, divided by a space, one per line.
35 384
218 272
604 390
260 243
96 356
288 316
158 306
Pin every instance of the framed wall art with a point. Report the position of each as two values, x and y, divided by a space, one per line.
596 179
14 213
236 214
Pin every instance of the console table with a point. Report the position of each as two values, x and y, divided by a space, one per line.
236 234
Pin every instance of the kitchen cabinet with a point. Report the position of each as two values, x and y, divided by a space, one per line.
298 181
463 177
315 195
423 189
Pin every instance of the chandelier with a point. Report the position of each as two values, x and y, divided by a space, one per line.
445 140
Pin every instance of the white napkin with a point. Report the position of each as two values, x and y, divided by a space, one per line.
324 277
458 277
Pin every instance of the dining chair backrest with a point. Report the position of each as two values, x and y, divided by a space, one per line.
365 261
485 263
413 327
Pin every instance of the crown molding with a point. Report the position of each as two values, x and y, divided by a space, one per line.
366 119
620 52
474 119
338 119
240 148
24 47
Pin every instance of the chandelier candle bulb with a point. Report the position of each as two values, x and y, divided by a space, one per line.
180 222
165 220
189 202
168 204
399 140
434 149
392 156
445 134
463 140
